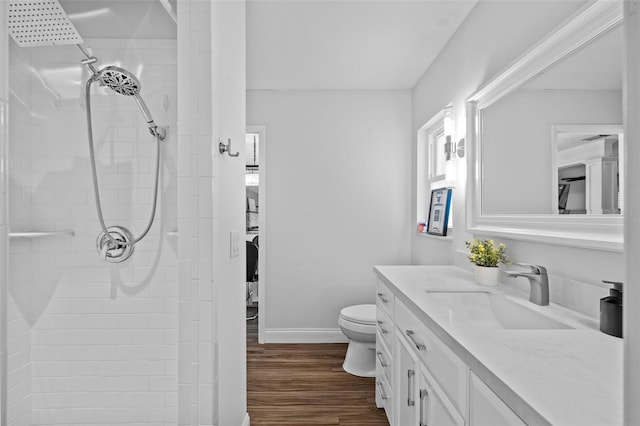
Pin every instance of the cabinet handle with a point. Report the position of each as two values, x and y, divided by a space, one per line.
424 394
410 376
384 300
382 329
383 395
382 362
420 346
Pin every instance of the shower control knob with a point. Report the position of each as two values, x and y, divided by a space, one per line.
110 249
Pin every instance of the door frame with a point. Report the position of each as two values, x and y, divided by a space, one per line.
262 193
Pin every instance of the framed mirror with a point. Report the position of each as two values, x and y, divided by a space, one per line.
546 139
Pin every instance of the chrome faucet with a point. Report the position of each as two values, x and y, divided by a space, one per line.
538 280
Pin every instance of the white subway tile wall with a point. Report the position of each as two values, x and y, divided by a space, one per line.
18 327
90 342
197 332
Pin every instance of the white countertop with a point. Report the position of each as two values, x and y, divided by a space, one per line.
561 377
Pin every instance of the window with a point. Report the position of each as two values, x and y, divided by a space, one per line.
431 166
436 159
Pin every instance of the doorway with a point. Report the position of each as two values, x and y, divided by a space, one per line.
255 228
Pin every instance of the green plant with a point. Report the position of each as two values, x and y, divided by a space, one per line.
486 253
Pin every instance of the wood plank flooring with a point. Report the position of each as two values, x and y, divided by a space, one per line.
304 384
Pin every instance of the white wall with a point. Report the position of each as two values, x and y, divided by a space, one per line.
197 328
229 121
494 34
212 368
338 186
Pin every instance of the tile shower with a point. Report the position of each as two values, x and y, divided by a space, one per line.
90 342
138 343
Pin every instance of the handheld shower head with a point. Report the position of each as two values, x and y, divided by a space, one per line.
119 80
125 83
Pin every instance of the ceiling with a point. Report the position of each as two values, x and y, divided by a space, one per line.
571 140
346 44
306 44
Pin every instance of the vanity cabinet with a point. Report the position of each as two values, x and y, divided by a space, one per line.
469 370
420 381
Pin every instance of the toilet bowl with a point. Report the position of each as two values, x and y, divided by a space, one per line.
358 323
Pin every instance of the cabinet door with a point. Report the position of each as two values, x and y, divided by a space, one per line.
407 374
434 409
487 409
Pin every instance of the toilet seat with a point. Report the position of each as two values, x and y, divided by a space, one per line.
359 314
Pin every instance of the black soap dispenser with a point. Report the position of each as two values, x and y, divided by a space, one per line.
611 310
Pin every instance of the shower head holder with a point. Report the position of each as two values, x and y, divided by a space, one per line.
158 132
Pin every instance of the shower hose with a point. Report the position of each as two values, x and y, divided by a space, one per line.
113 242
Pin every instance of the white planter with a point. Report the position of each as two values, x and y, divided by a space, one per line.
487 276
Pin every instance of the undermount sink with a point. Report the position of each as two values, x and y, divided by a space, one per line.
485 309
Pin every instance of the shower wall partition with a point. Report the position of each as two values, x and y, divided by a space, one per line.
136 343
4 216
90 342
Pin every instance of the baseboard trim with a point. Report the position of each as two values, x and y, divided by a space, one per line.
246 421
304 335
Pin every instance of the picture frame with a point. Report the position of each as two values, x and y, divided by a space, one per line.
438 219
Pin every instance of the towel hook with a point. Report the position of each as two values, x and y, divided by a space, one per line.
226 148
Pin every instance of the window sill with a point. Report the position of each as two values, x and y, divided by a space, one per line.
449 237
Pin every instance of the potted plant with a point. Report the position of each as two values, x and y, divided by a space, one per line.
486 256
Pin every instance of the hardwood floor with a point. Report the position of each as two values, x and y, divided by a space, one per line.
304 384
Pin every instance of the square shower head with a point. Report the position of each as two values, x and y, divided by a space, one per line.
40 23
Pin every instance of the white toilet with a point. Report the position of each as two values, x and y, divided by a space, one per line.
358 323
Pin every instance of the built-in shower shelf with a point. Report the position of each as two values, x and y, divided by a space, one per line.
41 234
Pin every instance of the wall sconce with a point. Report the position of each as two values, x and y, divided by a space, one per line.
448 133
450 147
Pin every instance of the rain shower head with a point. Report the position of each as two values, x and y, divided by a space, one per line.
40 23
45 23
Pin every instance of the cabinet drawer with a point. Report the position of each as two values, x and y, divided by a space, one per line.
445 367
384 359
384 394
384 328
385 298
